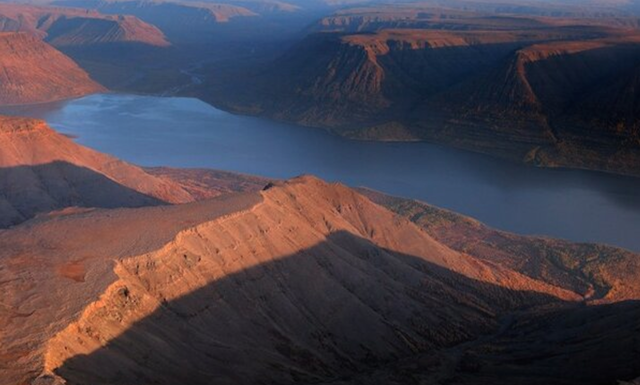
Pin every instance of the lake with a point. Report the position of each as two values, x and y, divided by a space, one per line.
184 132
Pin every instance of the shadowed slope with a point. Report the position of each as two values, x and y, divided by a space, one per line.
570 345
306 281
601 273
314 256
330 311
580 345
42 170
30 190
52 267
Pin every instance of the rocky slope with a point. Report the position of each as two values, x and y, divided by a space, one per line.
43 171
473 15
120 47
55 283
548 91
75 27
362 80
554 104
181 21
206 184
302 282
31 71
602 273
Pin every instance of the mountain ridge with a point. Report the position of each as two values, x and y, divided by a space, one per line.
73 27
45 171
34 72
296 237
534 95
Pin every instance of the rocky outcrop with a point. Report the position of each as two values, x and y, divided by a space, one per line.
179 20
599 272
547 91
63 27
557 104
304 281
32 71
43 171
341 81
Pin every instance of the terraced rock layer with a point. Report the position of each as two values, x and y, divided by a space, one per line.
302 282
549 91
75 27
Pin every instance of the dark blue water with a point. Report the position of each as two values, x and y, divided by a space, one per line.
182 132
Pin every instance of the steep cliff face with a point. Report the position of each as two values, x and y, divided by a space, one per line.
419 16
474 15
558 104
33 72
557 93
325 80
304 281
550 78
73 27
341 81
180 20
43 171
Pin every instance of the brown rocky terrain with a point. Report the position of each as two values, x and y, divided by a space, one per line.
288 282
543 89
205 184
72 27
106 46
554 104
179 20
55 286
116 274
43 171
594 271
34 72
304 281
337 81
474 15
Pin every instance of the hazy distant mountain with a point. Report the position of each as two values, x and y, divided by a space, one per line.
75 27
181 21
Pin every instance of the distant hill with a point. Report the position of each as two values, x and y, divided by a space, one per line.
550 91
179 20
76 27
31 71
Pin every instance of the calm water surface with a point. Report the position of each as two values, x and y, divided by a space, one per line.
183 132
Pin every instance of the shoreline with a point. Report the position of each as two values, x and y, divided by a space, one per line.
333 132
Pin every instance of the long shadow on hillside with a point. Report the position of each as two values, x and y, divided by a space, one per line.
335 311
26 191
580 344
